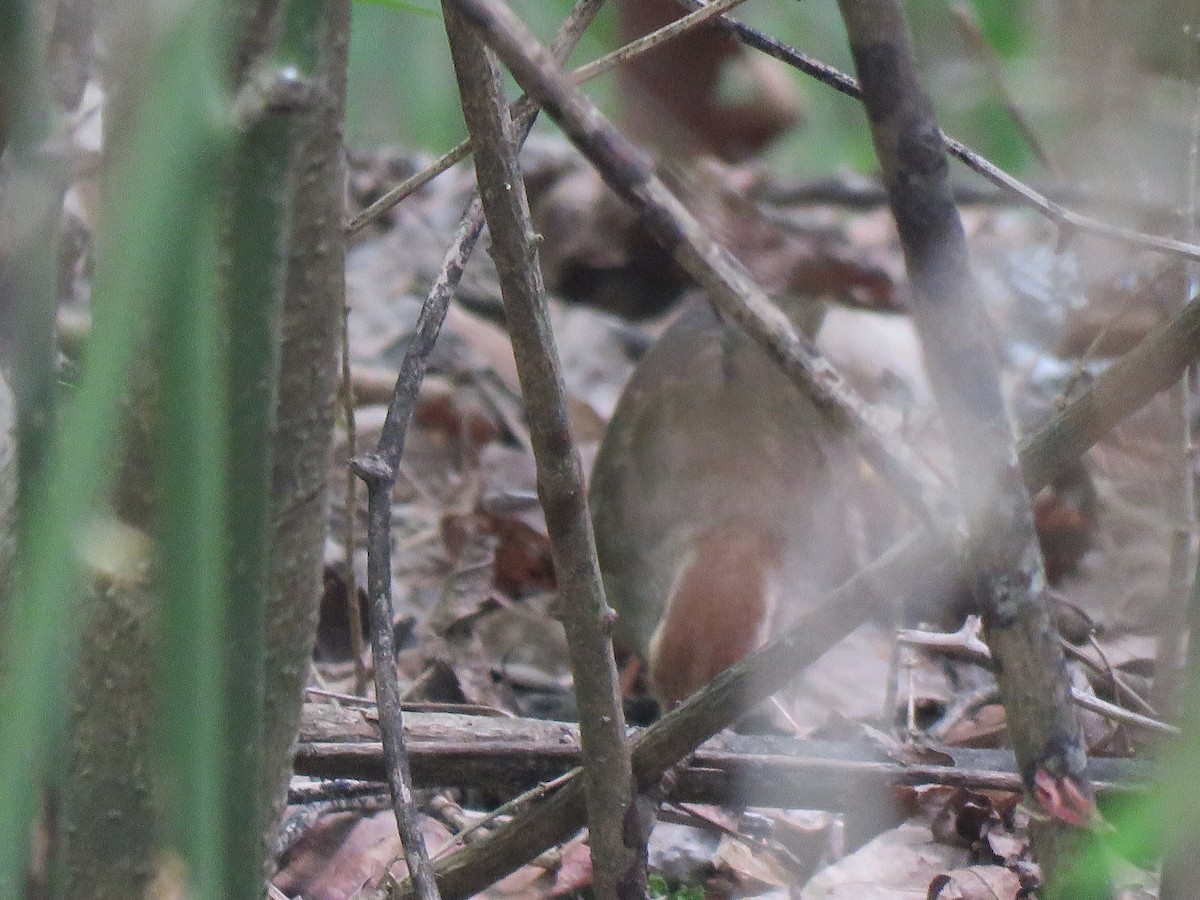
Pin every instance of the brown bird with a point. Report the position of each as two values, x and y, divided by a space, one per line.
718 499
725 505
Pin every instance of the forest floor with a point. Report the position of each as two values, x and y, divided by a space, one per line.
475 589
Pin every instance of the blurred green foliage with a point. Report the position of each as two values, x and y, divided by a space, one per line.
402 85
658 887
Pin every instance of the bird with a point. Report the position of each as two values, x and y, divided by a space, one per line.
724 505
718 500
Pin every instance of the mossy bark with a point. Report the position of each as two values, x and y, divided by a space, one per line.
108 824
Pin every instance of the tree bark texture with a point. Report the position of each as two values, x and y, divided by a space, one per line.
108 826
314 296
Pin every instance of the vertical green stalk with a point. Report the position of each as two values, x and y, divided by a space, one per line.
190 470
253 305
160 184
191 478
257 247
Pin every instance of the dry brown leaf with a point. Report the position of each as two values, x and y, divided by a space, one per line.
344 853
677 90
574 870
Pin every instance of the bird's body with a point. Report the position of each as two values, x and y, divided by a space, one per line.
718 501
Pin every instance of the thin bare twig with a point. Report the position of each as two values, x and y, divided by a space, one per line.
348 699
408 187
353 606
379 479
863 192
610 61
968 26
524 106
521 801
1122 715
1104 669
617 864
976 652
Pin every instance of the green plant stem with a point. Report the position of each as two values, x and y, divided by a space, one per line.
257 247
153 199
191 478
260 214
314 296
